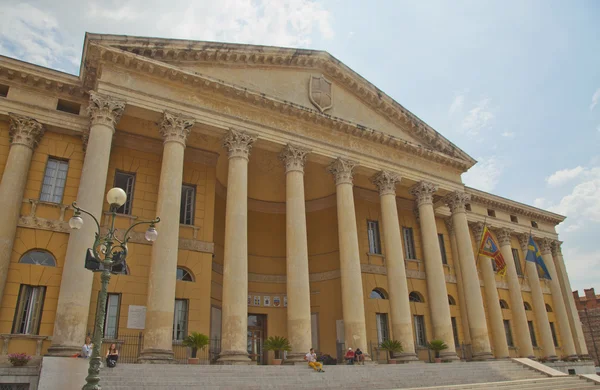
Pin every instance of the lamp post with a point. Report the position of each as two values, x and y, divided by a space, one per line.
107 256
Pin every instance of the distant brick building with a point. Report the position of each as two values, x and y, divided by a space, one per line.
588 307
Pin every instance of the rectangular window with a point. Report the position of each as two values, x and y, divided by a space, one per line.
554 338
517 259
111 321
188 200
532 333
54 181
4 90
455 332
491 213
180 319
507 331
534 224
442 248
420 338
28 313
67 106
409 243
513 218
374 241
383 333
125 181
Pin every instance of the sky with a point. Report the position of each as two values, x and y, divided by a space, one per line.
515 84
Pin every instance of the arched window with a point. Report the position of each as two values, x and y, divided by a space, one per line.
451 300
184 274
527 306
378 293
38 257
415 297
548 308
503 304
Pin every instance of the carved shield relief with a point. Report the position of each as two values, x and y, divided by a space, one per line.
320 92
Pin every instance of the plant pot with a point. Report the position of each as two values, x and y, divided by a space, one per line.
438 360
276 362
392 361
193 360
19 364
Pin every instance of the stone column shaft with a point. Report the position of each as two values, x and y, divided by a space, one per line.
492 299
353 308
477 323
459 283
298 284
560 311
565 286
402 329
25 133
73 307
434 269
158 337
519 317
235 267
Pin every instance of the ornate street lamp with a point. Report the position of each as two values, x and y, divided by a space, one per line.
107 256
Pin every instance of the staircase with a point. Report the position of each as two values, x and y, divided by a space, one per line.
505 375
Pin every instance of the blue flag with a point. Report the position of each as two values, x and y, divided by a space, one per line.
534 255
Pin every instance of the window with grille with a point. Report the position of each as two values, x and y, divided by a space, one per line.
111 321
28 313
532 333
185 275
420 338
517 259
125 181
54 181
180 319
409 243
554 338
442 248
188 196
383 332
374 241
455 332
507 331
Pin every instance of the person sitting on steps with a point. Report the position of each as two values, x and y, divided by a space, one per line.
349 356
359 357
311 358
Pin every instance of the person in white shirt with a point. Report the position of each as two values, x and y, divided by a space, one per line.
86 349
311 358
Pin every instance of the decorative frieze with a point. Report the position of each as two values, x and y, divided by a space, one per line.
294 158
238 143
341 169
386 182
175 127
423 192
457 201
104 109
25 131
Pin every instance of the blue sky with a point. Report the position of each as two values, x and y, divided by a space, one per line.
516 84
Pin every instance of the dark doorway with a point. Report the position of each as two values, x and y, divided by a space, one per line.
257 326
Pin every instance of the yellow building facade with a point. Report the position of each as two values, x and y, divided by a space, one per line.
296 199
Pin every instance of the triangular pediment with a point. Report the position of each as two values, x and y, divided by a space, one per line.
311 79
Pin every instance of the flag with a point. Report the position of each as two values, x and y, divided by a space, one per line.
534 255
489 248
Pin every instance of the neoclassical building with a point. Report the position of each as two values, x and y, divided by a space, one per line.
296 199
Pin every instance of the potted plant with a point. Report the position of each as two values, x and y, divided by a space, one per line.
19 359
277 344
196 341
437 346
391 347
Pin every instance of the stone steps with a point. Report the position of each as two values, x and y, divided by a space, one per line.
559 383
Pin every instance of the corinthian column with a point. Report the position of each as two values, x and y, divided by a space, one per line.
477 324
76 285
25 133
434 269
158 337
353 307
298 285
493 301
539 306
519 317
235 268
560 311
565 287
394 260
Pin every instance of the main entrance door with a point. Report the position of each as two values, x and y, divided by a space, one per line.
256 336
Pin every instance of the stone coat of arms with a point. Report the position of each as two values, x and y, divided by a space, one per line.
320 92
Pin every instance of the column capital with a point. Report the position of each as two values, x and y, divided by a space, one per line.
523 241
341 169
294 157
25 131
238 143
457 201
423 191
477 228
175 127
386 182
546 245
504 235
556 248
449 225
104 109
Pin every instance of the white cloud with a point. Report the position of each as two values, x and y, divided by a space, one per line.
595 99
508 134
457 104
541 203
564 175
51 33
485 174
583 266
479 118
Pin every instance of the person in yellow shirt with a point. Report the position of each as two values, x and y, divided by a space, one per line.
311 358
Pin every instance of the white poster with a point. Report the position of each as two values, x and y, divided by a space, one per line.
256 300
267 300
136 317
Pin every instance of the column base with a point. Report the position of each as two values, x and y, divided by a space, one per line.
229 358
585 357
571 358
451 357
407 358
156 356
552 358
63 350
480 356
